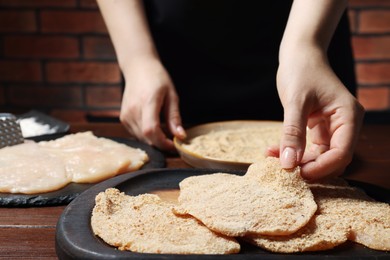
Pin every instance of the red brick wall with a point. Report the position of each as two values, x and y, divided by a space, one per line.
56 56
370 24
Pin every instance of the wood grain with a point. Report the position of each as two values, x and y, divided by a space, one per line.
32 242
29 233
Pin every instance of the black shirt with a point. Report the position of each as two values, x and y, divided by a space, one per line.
222 55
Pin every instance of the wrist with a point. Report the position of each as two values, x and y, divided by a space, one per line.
293 53
300 44
310 26
138 61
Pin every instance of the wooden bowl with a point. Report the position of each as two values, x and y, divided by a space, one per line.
199 161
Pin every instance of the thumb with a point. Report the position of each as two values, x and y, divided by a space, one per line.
293 140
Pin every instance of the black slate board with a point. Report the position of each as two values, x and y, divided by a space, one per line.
68 193
75 240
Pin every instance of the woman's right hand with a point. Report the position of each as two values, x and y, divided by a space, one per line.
149 92
149 89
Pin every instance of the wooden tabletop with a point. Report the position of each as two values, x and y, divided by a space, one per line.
29 233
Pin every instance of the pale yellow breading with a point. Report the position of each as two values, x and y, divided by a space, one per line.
271 201
323 232
246 144
368 219
146 224
344 213
272 208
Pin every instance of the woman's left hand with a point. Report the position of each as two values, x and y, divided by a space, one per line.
313 97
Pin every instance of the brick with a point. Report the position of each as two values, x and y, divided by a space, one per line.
374 21
20 71
36 96
41 47
373 73
37 3
103 96
72 22
352 16
17 21
106 114
71 115
89 72
98 48
374 98
371 47
365 3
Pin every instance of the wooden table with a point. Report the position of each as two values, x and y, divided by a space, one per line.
29 233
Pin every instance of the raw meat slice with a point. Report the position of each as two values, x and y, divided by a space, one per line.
28 169
90 159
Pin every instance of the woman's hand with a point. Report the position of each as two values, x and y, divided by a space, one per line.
313 96
149 90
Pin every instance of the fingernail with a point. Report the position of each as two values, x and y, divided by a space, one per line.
181 131
288 159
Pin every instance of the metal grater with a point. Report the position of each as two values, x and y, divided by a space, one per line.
10 131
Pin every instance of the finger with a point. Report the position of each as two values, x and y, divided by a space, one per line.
128 119
293 140
335 159
344 127
161 141
151 126
319 133
172 115
325 165
313 152
318 137
153 134
272 151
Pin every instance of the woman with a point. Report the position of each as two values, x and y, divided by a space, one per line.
231 60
